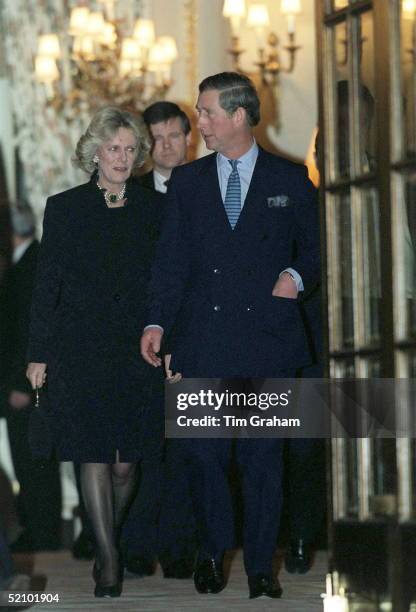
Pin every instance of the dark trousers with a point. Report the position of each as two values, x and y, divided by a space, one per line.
305 499
160 521
305 490
39 502
260 465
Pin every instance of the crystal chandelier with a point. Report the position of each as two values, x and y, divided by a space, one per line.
104 60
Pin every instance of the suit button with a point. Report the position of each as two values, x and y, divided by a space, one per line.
217 308
249 308
117 297
217 271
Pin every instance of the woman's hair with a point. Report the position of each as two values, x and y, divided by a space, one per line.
103 127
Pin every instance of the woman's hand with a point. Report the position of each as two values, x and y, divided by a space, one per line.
36 373
169 374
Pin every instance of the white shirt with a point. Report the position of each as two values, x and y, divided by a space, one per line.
159 182
245 169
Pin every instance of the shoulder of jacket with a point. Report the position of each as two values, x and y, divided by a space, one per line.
195 166
59 200
283 163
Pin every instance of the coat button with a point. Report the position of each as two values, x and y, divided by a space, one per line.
217 308
217 271
248 308
117 297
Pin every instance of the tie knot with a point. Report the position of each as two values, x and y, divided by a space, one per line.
234 163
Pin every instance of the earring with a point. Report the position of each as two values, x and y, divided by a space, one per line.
95 159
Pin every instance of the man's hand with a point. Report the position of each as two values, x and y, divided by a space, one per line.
285 287
19 400
150 345
169 375
36 373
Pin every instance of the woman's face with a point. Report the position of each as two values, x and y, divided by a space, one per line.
116 157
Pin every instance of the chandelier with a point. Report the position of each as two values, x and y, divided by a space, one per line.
104 59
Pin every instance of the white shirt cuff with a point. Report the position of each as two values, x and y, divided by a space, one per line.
296 277
157 327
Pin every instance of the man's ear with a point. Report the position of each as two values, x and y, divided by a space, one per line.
188 139
239 115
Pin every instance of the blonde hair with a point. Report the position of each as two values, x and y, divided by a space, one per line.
102 128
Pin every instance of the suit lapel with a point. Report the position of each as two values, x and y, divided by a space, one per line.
254 204
210 195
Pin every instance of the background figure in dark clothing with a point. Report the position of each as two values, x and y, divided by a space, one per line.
39 500
305 463
170 535
305 494
6 562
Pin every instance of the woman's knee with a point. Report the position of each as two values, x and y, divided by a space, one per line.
123 471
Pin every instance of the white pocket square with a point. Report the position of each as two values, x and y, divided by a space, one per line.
278 201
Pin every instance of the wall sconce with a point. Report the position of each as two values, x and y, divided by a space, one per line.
409 13
342 58
267 43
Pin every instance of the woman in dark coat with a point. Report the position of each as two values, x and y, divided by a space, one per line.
87 316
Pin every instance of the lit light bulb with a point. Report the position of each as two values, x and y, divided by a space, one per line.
48 45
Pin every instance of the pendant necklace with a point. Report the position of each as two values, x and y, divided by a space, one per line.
112 198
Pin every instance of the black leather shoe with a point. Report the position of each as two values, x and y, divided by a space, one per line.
263 585
140 566
298 558
179 569
112 590
209 576
83 547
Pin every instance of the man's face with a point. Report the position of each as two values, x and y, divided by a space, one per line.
217 128
170 144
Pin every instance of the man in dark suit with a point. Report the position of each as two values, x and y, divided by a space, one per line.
170 131
240 241
39 501
170 537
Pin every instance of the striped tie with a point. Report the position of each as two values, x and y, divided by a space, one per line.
232 202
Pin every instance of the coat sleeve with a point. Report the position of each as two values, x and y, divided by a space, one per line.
47 285
306 259
170 270
18 380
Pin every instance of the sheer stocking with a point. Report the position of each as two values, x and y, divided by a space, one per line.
124 485
107 491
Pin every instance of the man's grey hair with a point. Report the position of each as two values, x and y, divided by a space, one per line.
236 90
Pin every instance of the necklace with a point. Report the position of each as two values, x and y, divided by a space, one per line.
112 198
